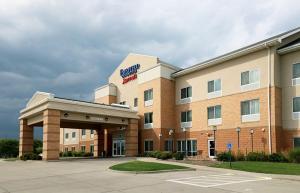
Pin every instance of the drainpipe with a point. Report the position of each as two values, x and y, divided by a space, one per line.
269 101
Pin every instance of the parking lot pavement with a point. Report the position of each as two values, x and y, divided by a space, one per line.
217 180
95 176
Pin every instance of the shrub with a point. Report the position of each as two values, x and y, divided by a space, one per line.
257 156
240 156
9 148
294 155
277 157
156 154
88 154
225 156
30 156
164 155
178 155
37 146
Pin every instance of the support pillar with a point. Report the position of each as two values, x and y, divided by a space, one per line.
98 142
26 138
131 138
51 131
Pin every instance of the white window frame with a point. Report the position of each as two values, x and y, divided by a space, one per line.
186 124
67 136
296 80
92 133
251 117
150 124
250 85
83 136
169 145
193 152
215 93
148 102
295 114
73 138
214 121
298 137
148 141
82 147
187 99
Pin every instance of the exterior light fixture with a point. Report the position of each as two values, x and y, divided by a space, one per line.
171 132
66 115
238 130
214 128
87 117
251 133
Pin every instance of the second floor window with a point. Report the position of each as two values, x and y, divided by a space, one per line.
250 107
186 92
249 77
148 95
83 132
73 134
135 102
296 104
148 118
214 85
214 112
296 70
67 135
186 116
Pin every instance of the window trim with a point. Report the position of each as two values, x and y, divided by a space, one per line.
148 125
251 117
183 141
187 98
214 121
294 141
148 140
250 85
295 114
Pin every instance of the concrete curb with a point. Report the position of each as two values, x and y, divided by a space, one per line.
153 172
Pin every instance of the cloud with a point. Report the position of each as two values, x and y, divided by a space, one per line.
71 47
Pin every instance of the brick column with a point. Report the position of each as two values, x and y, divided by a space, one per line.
98 142
26 138
131 138
51 131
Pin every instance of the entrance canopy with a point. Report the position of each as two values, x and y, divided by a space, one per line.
52 113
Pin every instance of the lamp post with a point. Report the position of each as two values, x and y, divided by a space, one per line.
160 135
171 132
185 150
251 133
214 128
238 130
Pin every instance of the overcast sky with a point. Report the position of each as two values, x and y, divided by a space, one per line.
71 47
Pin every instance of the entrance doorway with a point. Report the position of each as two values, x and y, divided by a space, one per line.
211 148
118 147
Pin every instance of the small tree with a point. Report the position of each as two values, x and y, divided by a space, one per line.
9 148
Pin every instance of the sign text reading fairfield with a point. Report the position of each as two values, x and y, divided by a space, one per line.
129 74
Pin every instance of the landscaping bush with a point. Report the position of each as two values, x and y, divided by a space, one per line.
9 148
164 155
225 156
277 157
75 154
257 156
178 155
240 156
37 146
30 156
294 155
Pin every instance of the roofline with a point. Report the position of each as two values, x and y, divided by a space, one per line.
237 53
289 49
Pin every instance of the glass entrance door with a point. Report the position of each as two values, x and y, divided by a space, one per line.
118 147
211 149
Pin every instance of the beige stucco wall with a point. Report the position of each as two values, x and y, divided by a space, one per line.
230 74
127 92
289 91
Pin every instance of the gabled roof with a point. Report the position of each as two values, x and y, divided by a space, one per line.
239 52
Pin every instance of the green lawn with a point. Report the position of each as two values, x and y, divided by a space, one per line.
145 166
263 167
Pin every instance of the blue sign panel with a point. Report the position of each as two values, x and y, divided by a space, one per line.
229 146
129 71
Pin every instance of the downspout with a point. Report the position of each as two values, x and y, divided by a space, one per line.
269 100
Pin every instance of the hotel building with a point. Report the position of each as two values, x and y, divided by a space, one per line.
248 99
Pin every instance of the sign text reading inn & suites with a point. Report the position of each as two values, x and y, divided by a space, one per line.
130 73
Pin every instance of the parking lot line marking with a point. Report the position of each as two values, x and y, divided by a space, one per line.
217 180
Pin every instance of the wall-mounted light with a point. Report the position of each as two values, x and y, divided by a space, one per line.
171 132
263 129
87 117
66 115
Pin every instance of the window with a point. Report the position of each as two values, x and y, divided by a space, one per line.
296 104
67 136
214 85
249 77
296 70
66 149
186 116
214 112
186 92
83 132
83 148
148 118
73 148
191 147
169 145
148 95
296 142
123 103
92 148
135 102
73 134
148 145
250 107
